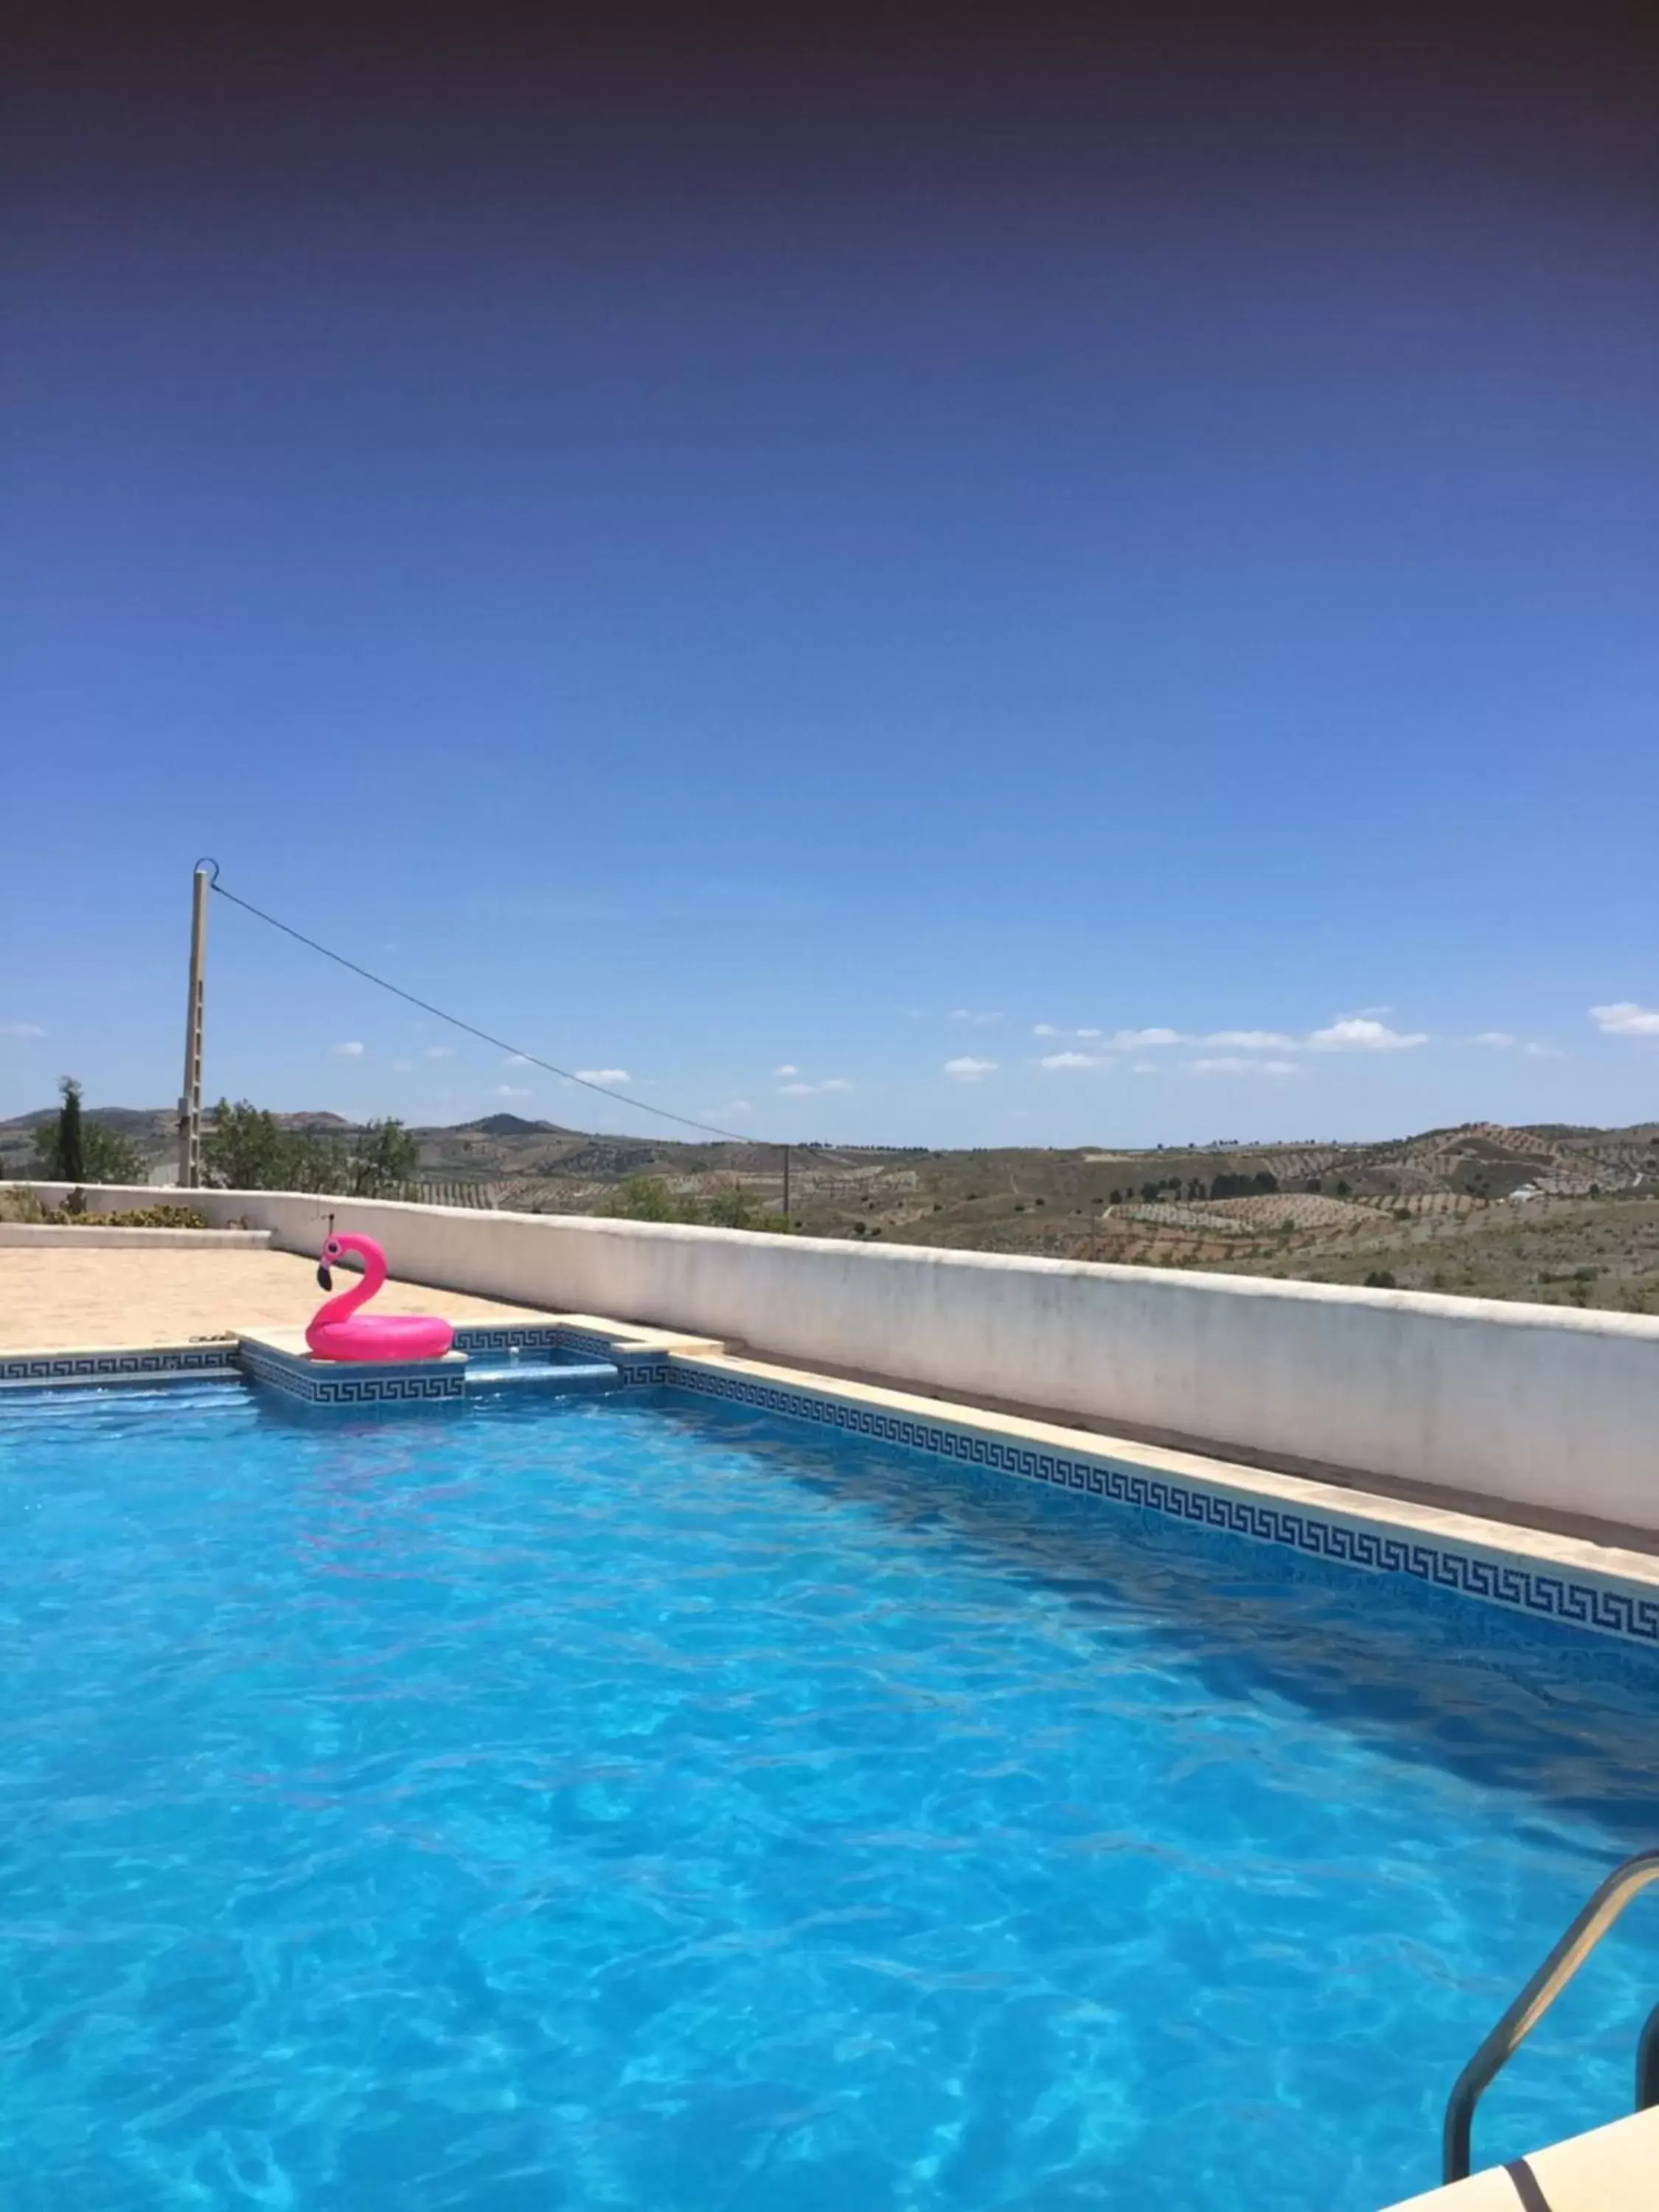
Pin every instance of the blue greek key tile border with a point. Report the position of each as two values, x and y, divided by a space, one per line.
596 1342
1542 1592
479 1336
419 1383
650 1370
426 1381
117 1366
638 1369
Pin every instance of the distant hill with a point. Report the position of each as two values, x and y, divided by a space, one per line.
1550 1213
130 1121
513 1125
153 1129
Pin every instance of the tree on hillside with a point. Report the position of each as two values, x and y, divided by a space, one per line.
108 1157
246 1148
736 1208
645 1198
1244 1186
72 1149
381 1159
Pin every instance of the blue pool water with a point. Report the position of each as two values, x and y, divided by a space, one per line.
621 1803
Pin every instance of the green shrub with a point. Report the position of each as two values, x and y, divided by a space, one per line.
141 1217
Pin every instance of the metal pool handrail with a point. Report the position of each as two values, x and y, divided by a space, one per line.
1586 1931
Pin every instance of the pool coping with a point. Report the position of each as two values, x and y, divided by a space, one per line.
1532 1571
53 1366
1608 2169
1521 1570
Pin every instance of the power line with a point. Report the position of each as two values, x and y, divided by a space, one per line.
438 1013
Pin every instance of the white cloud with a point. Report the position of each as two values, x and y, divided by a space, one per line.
517 1060
1227 1065
21 1030
1625 1019
353 1051
968 1014
969 1069
1146 1067
1140 1040
811 1089
1253 1041
1362 1030
609 1075
1057 1060
403 1067
1361 1033
1494 1039
730 1109
440 1052
788 1068
1537 1049
511 1090
1121 1040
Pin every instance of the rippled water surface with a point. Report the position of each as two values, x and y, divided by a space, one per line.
627 1804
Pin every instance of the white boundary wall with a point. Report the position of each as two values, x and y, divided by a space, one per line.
1532 1404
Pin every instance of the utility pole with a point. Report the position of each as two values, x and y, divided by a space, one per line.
189 1102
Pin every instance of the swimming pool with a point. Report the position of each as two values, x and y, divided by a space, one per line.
630 1801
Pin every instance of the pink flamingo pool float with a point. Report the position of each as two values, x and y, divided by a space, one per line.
334 1332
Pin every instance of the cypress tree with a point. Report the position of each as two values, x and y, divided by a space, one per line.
71 1157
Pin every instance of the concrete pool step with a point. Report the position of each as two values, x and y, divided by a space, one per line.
487 1361
544 1374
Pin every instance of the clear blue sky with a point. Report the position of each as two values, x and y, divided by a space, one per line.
898 571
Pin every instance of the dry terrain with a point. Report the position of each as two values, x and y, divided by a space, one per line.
1564 1216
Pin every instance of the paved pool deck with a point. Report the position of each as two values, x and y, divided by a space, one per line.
89 1300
